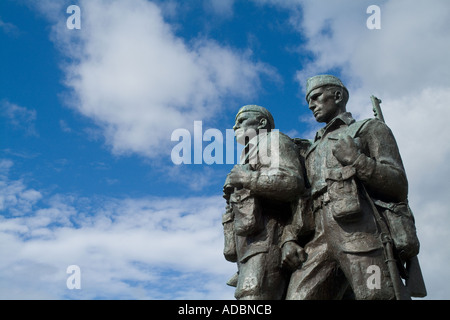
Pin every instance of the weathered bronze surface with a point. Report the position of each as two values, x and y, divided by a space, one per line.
259 193
322 219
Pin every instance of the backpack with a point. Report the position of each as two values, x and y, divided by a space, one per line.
398 216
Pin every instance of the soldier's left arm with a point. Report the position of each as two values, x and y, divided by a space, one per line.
380 166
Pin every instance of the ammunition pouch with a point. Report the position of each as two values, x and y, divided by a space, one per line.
248 218
343 194
401 224
229 249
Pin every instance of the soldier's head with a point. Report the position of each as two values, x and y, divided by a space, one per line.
327 97
250 119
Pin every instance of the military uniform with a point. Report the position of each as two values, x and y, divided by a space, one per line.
346 241
258 214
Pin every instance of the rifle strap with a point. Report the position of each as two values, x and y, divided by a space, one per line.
388 248
354 129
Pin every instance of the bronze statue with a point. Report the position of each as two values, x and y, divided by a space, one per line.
355 226
260 192
333 214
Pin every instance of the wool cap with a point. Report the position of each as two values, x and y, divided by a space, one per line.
321 81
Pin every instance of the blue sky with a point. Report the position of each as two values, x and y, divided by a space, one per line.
86 117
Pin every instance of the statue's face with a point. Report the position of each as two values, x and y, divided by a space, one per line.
322 103
247 125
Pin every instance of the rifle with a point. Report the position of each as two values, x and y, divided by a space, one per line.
414 279
376 108
389 250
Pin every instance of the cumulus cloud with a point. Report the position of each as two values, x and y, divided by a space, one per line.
15 197
138 81
145 248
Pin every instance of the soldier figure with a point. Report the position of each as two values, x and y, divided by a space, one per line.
347 162
259 193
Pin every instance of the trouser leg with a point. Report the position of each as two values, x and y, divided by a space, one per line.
368 275
261 278
319 278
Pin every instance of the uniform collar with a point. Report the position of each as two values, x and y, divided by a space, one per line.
344 118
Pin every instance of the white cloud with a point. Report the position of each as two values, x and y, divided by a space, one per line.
5 165
408 53
21 118
139 81
220 7
423 142
64 126
125 248
9 28
15 197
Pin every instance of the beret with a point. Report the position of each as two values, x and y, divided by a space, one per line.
322 80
